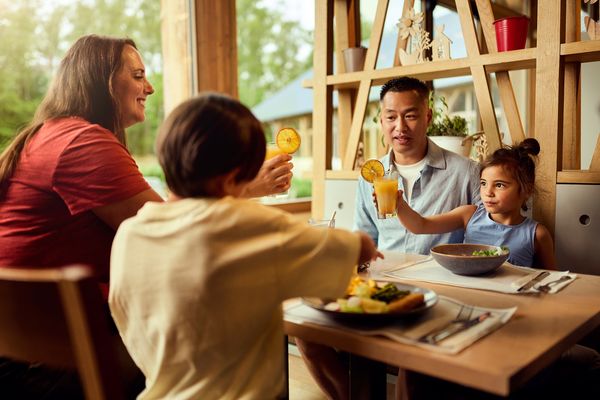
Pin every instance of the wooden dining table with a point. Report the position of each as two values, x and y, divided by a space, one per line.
543 327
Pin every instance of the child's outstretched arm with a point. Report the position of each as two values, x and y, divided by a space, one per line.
441 223
544 248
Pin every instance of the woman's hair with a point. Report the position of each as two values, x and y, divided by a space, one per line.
519 161
206 137
82 87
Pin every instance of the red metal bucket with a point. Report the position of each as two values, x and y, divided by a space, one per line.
511 33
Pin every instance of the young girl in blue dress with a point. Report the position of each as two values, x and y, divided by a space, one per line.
507 181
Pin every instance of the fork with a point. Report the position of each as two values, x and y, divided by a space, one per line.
546 287
439 334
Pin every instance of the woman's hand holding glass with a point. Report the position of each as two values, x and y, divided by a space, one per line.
275 176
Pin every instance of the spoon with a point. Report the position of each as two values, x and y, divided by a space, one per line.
331 223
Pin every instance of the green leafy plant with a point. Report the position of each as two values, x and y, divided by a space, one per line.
441 123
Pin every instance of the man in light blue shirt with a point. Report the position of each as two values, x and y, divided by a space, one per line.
434 180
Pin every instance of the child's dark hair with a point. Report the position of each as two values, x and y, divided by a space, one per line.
206 137
519 160
405 84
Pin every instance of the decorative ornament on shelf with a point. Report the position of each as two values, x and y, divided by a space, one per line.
410 24
410 28
592 28
440 45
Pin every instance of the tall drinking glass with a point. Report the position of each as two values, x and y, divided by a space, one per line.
386 190
272 151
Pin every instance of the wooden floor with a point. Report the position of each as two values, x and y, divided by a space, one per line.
303 387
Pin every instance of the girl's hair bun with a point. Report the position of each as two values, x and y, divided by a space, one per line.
529 146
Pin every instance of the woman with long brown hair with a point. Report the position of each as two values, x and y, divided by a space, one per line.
67 180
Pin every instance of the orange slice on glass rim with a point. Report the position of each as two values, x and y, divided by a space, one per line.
372 169
288 140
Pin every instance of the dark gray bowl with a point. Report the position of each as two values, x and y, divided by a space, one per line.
459 258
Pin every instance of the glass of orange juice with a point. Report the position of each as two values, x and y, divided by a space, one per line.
273 151
386 190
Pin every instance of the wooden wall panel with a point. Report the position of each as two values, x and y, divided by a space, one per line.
216 48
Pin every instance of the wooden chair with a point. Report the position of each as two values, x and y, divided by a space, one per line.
57 317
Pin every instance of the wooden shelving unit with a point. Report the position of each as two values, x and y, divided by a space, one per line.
555 62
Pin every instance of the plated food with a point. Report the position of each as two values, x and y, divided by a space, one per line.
469 259
368 300
498 251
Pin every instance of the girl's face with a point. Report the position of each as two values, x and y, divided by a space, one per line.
500 191
131 87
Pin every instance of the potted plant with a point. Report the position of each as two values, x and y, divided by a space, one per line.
451 133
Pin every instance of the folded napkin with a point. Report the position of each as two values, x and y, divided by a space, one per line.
506 279
409 331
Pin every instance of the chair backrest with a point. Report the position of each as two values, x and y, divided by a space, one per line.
58 317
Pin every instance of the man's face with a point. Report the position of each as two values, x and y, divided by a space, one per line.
404 120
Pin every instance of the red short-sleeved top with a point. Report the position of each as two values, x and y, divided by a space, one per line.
69 167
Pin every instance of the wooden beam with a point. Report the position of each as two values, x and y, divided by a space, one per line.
505 61
595 163
571 154
347 34
480 77
507 94
500 11
216 34
362 97
548 116
531 75
322 103
585 177
177 59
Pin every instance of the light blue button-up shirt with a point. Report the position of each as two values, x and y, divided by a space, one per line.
447 181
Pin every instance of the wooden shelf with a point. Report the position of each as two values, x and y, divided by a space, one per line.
577 176
554 89
505 61
586 51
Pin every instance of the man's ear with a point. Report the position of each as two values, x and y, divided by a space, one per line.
429 115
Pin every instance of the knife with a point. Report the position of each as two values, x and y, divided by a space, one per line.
452 329
538 278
